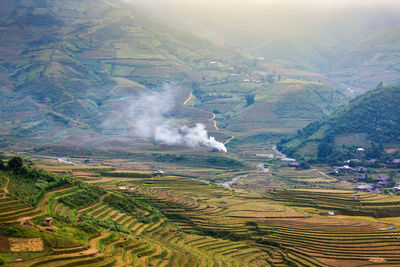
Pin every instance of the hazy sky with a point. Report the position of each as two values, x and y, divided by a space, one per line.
318 2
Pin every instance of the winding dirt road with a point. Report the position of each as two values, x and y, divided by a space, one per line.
230 139
188 99
214 121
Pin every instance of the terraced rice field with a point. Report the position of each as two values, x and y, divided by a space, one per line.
207 225
342 202
156 243
296 232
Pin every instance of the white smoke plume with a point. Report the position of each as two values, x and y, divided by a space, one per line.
146 116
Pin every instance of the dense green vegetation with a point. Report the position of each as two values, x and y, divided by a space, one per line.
30 184
371 121
82 196
200 160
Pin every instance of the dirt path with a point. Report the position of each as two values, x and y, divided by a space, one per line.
230 139
234 180
214 121
6 185
188 99
324 174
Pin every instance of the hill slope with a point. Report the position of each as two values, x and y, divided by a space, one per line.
374 60
68 67
371 120
286 106
64 64
313 37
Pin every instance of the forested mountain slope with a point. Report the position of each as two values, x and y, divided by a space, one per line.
371 121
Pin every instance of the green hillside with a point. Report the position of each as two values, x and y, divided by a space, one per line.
66 63
374 60
69 65
282 107
371 121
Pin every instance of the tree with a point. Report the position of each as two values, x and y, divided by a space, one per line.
250 99
324 149
2 166
15 163
305 165
270 78
196 89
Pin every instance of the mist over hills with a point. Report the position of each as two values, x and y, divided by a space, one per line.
64 64
68 66
314 36
374 60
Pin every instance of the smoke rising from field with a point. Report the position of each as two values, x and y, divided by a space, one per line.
146 116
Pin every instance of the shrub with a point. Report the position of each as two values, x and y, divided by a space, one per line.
123 204
305 165
252 224
15 163
268 242
250 99
84 196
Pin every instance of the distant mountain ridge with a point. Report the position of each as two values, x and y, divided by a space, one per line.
373 61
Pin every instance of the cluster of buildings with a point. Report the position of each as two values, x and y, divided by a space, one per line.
382 181
361 175
348 169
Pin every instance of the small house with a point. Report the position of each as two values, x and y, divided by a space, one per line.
47 220
364 188
360 150
344 168
396 161
396 188
382 178
356 197
159 173
361 177
376 191
294 164
247 154
381 184
361 169
27 223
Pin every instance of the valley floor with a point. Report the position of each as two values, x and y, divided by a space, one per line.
200 224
